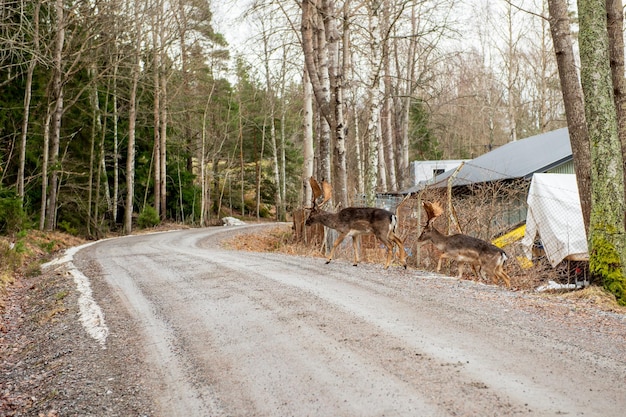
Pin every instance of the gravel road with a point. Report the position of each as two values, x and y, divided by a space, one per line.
192 329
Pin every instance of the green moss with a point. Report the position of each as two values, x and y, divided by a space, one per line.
605 264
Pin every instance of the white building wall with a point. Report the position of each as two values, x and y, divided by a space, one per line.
426 170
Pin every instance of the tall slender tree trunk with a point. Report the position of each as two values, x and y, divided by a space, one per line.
272 114
206 200
511 76
27 98
374 100
308 153
387 126
45 160
573 100
116 151
102 181
132 121
607 235
163 146
406 179
156 22
57 91
338 124
94 161
615 26
315 51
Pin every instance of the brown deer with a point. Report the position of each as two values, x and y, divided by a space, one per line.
464 248
354 222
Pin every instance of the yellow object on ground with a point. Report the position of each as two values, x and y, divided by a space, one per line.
513 236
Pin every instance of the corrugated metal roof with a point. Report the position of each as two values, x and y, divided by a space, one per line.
519 159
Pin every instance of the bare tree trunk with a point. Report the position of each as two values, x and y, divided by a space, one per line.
163 146
272 110
27 97
283 124
573 100
615 26
360 165
206 201
242 164
308 156
391 183
511 74
102 168
336 77
406 179
57 91
116 151
94 161
132 116
374 100
45 159
156 22
316 61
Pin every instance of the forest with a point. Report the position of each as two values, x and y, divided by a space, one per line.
114 112
117 114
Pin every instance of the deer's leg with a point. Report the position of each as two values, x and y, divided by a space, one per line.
337 243
395 239
389 247
356 244
503 276
476 271
443 255
461 263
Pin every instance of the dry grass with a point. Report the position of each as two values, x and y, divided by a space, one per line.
24 255
37 247
281 239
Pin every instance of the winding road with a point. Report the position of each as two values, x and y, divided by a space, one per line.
231 333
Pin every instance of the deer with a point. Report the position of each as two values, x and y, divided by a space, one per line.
464 249
354 222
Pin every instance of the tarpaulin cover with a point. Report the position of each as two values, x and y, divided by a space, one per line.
554 214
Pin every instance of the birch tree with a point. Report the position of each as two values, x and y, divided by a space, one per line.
375 89
320 40
57 113
132 119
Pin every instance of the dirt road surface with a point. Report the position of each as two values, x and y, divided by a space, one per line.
187 328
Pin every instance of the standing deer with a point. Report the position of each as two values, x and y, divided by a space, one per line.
356 221
464 248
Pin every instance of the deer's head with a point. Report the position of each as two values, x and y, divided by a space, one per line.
323 193
433 210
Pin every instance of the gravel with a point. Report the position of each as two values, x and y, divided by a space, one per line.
50 366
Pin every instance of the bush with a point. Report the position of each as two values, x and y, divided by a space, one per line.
148 218
12 217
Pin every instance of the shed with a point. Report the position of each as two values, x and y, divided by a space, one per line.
546 152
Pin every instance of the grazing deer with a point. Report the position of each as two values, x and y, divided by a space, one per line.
464 248
356 221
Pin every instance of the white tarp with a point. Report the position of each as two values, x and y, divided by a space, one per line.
554 213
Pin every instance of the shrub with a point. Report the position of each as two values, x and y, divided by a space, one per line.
12 217
148 218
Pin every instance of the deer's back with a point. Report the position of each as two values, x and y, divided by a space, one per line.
469 246
369 214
